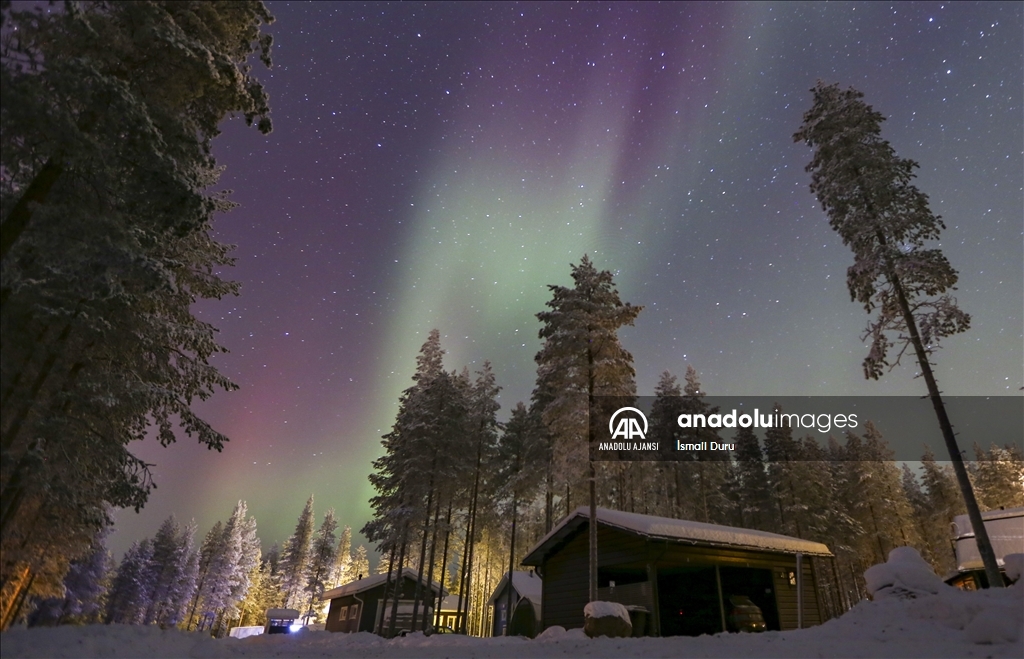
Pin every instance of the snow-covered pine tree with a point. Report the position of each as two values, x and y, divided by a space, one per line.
105 244
248 565
294 557
128 597
85 588
360 563
482 433
782 454
921 515
758 509
341 571
222 573
867 193
207 551
321 559
181 593
517 478
703 477
580 358
169 565
944 503
998 476
667 406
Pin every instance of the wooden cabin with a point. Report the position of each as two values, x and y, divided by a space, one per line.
449 615
681 573
525 586
356 606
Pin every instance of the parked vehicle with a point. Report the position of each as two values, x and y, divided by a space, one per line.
744 615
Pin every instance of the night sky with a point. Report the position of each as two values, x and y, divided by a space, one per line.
437 165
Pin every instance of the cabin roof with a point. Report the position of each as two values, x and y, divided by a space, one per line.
527 584
362 585
679 530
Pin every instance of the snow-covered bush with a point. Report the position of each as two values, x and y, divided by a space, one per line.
904 576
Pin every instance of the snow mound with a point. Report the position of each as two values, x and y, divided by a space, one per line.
605 610
990 628
904 576
1014 564
987 617
552 633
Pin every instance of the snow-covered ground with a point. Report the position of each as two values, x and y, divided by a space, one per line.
912 615
936 626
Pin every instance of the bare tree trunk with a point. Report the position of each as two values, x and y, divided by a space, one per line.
16 222
988 556
511 568
399 583
592 590
418 592
444 554
429 622
384 597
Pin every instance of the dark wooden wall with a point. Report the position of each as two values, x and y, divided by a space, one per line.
370 601
565 571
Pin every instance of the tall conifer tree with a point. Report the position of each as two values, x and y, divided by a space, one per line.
581 357
867 192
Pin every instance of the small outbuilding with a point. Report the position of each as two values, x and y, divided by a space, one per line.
1005 529
526 597
684 575
356 606
449 615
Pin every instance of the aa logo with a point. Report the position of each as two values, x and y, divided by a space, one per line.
628 427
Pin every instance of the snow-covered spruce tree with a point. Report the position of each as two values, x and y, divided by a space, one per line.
998 476
943 504
782 453
517 478
398 474
580 358
248 564
667 406
234 556
128 598
207 551
107 198
342 568
181 593
442 416
295 556
481 437
85 589
166 567
360 563
866 191
757 507
321 561
921 517
703 478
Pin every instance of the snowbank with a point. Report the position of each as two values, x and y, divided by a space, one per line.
904 576
935 622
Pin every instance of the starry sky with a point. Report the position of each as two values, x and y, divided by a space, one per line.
437 165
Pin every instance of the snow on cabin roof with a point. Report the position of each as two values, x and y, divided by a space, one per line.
697 533
361 585
527 584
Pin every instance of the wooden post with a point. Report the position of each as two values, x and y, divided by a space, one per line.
652 579
799 590
721 599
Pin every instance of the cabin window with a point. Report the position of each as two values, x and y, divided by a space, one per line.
791 577
353 611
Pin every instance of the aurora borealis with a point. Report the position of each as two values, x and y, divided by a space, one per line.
438 164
